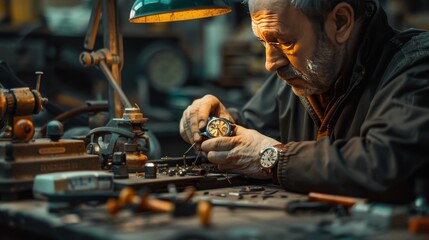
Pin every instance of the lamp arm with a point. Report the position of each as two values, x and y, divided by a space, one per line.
105 69
93 23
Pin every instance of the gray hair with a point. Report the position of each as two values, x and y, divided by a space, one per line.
318 10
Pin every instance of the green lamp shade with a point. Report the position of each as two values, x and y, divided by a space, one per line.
152 11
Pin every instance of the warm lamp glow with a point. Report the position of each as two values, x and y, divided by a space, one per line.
153 11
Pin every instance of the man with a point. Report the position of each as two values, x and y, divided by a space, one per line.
350 101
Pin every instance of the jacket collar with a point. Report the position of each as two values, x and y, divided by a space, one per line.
377 34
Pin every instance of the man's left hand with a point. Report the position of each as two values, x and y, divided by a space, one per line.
239 153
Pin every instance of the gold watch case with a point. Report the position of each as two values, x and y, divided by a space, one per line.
218 127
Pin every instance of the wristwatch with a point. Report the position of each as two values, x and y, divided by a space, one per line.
218 127
270 156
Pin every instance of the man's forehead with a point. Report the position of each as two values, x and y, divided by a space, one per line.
276 15
272 5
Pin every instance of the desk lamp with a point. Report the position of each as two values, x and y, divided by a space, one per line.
152 11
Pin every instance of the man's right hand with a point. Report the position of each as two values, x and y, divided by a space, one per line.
195 117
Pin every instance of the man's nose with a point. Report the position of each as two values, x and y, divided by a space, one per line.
274 58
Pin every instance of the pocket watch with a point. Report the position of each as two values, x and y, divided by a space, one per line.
218 127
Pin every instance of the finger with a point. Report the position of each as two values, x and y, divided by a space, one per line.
218 144
200 113
186 125
226 167
218 157
218 108
192 123
208 105
237 165
225 114
196 115
184 133
197 146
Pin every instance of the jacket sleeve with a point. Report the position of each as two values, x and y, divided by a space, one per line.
381 163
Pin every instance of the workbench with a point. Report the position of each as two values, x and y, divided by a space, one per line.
261 213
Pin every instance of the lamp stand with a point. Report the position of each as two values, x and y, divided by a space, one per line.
110 58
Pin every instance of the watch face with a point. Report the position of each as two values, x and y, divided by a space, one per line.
269 157
218 127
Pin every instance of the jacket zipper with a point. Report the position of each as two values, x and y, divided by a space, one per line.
342 99
311 112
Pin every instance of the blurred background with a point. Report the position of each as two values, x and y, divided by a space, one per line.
166 65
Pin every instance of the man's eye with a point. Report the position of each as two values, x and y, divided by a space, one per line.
284 45
288 45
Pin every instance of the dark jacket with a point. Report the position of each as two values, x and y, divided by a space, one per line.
378 137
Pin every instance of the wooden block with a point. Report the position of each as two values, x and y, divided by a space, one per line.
419 224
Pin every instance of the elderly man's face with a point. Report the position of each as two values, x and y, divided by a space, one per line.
306 60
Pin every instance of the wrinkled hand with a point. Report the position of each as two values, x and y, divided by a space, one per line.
239 153
195 117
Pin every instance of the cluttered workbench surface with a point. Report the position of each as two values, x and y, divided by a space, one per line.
236 212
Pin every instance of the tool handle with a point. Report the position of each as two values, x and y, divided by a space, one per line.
342 200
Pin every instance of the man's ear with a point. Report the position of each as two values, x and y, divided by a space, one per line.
340 23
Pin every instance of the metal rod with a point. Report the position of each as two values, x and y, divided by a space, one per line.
189 149
110 38
39 78
105 69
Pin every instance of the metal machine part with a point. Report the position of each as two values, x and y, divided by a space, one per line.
21 162
150 170
17 105
21 156
126 134
119 167
54 130
25 160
